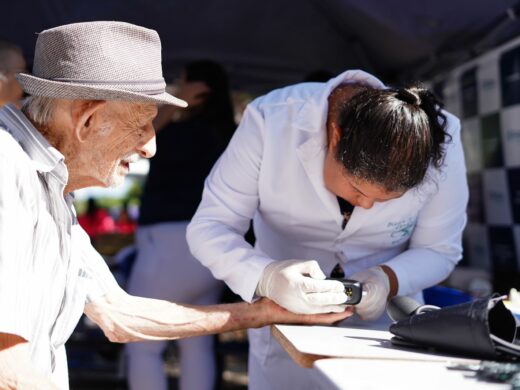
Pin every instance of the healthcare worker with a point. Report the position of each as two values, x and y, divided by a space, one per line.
347 172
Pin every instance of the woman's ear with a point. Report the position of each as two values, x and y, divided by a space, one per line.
337 100
334 134
84 114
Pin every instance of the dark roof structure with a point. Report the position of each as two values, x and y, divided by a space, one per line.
270 43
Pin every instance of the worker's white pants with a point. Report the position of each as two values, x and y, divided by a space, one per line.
165 269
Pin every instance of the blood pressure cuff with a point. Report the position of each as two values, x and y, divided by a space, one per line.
480 329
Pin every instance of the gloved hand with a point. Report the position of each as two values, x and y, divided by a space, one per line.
298 286
376 288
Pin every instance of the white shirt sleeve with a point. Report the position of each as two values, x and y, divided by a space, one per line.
436 243
21 290
100 279
229 202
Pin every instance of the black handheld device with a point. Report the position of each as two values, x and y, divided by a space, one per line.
353 290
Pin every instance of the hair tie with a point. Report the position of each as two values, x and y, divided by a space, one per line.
408 96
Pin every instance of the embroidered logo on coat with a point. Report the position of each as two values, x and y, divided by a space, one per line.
401 230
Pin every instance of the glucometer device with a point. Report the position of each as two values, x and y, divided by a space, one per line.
353 290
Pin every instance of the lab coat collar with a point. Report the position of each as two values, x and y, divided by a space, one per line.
312 115
312 157
311 154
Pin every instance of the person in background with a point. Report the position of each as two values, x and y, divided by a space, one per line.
343 177
96 220
164 268
11 63
94 92
124 223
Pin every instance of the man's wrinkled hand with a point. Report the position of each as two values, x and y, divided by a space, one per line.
275 314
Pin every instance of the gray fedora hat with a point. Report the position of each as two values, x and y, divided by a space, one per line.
100 61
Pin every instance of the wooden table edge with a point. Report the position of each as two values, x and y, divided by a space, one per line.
303 359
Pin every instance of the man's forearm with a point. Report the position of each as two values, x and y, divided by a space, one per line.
16 369
125 318
129 318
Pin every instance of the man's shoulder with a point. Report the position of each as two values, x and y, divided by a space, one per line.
12 152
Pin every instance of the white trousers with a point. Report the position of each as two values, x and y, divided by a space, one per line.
165 269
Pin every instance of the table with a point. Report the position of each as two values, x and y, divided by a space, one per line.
359 359
363 374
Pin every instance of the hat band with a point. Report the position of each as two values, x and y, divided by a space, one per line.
118 82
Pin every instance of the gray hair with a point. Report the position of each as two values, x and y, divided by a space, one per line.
39 108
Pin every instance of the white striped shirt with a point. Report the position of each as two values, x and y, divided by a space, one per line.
48 268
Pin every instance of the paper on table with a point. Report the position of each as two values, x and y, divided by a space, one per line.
353 343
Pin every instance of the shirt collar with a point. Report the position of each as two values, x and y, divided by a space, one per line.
45 157
312 115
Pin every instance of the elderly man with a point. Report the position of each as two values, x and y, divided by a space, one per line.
94 91
11 62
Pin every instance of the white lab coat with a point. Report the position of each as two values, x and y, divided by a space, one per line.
272 172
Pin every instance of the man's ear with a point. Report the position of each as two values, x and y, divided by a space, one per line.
83 114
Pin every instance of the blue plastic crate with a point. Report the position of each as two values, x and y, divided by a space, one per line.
444 296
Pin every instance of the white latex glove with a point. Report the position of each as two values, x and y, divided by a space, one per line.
298 286
376 288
